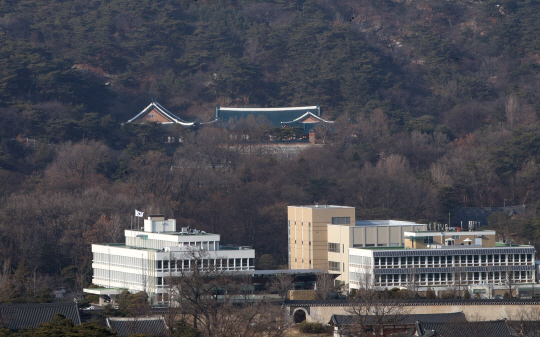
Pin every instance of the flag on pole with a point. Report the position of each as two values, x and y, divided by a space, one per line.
139 214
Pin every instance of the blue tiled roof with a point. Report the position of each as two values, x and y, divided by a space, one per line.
19 316
275 116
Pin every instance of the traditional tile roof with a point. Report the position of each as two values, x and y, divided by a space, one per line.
346 320
497 328
19 316
172 119
308 117
416 302
154 326
275 115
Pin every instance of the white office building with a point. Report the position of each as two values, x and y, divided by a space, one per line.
158 251
443 259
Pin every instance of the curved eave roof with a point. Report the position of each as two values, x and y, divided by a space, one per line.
307 115
155 105
269 109
275 116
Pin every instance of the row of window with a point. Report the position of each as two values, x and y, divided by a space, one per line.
360 260
309 223
333 247
139 263
454 259
341 220
445 278
104 275
332 265
470 277
120 260
165 265
159 244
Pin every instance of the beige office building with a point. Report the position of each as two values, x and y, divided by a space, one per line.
320 236
308 245
365 233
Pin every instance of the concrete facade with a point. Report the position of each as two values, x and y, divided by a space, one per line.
152 255
377 233
441 266
320 236
307 234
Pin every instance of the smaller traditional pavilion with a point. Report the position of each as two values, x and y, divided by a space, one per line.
155 112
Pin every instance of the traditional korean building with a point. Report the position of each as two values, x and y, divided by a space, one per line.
155 112
302 119
305 117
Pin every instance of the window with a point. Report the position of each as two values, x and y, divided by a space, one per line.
339 220
428 239
455 237
333 247
333 265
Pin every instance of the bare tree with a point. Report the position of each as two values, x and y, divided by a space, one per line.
282 284
509 281
217 303
6 286
372 311
413 283
325 285
526 321
76 165
512 108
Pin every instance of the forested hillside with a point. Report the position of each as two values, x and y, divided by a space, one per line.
435 105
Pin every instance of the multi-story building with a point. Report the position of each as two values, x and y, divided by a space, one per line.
442 259
308 244
320 236
156 252
365 233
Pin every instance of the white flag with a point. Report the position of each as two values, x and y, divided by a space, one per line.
139 214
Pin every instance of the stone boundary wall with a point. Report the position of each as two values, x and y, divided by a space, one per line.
474 311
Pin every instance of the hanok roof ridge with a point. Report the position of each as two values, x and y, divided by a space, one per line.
309 113
269 109
165 112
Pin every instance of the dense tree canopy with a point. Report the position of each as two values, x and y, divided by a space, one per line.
435 105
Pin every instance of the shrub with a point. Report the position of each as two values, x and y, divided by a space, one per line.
314 327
